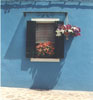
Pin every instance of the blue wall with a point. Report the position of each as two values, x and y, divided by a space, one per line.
74 72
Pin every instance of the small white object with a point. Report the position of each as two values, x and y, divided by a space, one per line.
73 27
62 31
58 34
70 30
58 30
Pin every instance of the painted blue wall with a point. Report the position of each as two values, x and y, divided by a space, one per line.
74 72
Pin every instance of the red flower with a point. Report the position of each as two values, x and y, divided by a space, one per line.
45 48
63 27
68 27
77 34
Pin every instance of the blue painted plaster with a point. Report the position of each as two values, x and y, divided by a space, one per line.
74 72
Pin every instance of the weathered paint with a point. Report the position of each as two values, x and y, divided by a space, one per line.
74 72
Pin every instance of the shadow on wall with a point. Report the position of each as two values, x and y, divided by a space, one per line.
16 49
44 75
8 6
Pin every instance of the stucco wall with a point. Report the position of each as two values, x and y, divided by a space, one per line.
74 72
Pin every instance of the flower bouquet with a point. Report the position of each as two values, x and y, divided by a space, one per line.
67 30
45 49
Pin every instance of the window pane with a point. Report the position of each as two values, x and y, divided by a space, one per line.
45 32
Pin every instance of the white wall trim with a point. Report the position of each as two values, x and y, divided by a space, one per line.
44 60
45 20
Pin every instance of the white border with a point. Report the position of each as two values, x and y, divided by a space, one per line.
45 20
44 60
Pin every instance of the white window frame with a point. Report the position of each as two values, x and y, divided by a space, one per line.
45 20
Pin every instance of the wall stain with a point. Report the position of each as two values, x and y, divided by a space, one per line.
7 7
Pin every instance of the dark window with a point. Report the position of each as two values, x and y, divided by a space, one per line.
43 32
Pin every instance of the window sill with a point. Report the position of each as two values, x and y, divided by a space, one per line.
44 60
